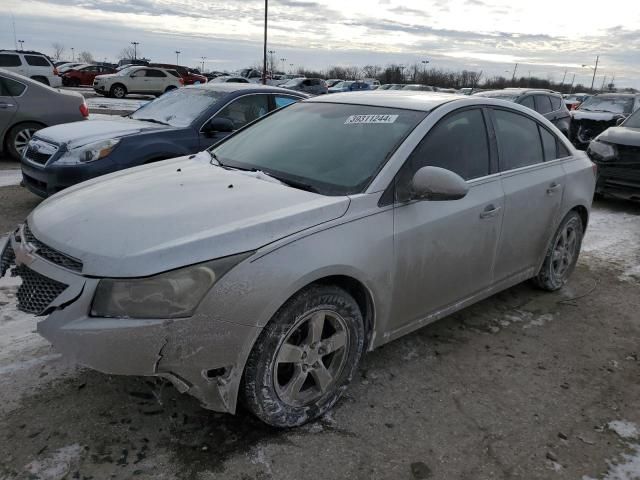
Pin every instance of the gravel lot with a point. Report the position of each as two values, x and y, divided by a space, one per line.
524 385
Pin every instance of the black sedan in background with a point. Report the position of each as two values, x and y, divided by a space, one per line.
184 121
616 151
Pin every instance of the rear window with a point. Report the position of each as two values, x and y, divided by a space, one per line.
543 104
174 73
556 103
37 61
9 60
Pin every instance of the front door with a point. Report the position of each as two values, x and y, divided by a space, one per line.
444 250
533 191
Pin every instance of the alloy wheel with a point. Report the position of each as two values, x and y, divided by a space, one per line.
311 357
564 251
22 139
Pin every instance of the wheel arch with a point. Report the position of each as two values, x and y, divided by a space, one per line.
584 215
4 138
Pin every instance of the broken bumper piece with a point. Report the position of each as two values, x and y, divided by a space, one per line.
200 355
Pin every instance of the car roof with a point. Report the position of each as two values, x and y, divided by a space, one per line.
245 88
520 91
616 95
406 99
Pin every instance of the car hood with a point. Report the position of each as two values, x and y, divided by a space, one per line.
107 75
76 134
621 136
597 116
174 213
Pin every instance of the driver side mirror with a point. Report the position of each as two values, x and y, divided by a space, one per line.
435 183
218 125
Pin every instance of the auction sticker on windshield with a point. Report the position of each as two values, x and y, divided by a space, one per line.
353 119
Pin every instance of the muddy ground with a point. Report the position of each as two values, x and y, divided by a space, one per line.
525 385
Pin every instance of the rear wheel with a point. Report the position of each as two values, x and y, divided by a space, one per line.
562 254
118 91
19 136
304 358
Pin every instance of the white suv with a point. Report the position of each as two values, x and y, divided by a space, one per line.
34 65
137 79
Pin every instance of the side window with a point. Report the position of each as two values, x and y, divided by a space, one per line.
155 73
548 144
139 73
9 60
11 88
528 102
458 143
37 61
562 150
543 105
518 139
284 101
245 110
306 83
556 102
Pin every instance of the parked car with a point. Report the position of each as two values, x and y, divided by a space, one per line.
332 81
312 86
189 76
136 79
251 74
574 100
616 151
391 86
65 67
372 82
545 102
262 270
418 88
349 86
181 122
84 75
229 79
598 113
34 65
127 62
27 106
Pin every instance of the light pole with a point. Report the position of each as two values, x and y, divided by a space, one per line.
264 50
291 68
21 42
572 82
271 53
135 49
73 54
177 57
513 77
284 62
595 69
203 59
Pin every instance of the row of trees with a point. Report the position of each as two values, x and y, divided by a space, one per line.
59 51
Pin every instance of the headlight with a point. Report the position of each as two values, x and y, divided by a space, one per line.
89 153
174 294
602 150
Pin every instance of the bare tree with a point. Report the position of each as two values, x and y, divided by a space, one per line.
127 53
85 57
58 50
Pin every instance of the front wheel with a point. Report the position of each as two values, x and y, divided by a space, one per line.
118 91
562 255
305 357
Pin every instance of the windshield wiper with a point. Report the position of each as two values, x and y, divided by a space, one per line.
152 120
294 183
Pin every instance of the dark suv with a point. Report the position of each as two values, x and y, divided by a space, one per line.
547 103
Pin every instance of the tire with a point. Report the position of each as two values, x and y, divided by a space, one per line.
284 375
74 83
19 136
562 255
118 91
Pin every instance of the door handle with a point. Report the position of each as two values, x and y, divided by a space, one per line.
6 105
553 187
490 211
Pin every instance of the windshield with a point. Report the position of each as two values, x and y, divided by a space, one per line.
291 83
342 84
633 121
127 70
180 107
335 149
608 104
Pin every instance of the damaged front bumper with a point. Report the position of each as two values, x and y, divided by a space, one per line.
200 355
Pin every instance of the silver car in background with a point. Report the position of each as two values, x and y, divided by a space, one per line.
261 270
27 105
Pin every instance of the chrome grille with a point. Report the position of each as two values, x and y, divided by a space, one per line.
51 254
39 152
36 292
7 259
36 156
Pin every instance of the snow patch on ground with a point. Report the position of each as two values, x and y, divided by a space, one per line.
624 429
99 103
529 319
627 466
57 465
10 177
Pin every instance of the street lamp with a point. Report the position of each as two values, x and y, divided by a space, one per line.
135 49
291 68
21 42
73 54
203 59
595 69
264 50
177 57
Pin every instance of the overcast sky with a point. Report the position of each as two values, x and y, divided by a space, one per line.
545 37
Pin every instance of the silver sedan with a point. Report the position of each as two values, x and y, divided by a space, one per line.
26 106
264 268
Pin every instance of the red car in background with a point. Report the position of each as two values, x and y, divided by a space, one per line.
189 75
84 75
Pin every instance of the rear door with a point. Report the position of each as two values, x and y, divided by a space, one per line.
138 81
445 250
8 103
156 80
533 186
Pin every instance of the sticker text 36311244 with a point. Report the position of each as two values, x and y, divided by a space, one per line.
356 119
